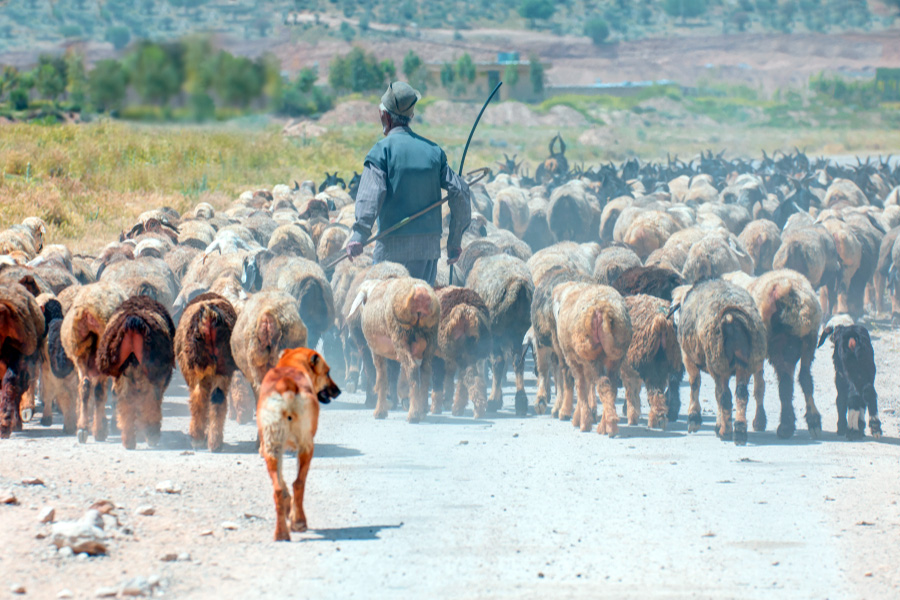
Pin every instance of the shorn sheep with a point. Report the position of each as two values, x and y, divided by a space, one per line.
137 351
854 377
22 330
203 352
721 332
791 314
82 328
593 335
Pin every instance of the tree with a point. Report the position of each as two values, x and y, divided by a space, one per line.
347 31
465 68
107 83
356 71
118 36
741 19
511 75
238 80
389 69
686 9
51 76
77 86
596 29
155 74
448 75
412 63
536 9
536 74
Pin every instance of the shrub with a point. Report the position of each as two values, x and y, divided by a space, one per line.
596 29
118 36
107 83
686 9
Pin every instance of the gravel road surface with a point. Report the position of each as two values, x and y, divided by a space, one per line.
504 507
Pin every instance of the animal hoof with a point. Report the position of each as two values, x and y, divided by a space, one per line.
814 425
47 420
458 412
299 526
371 401
661 423
380 414
694 422
198 444
282 536
350 386
842 428
404 403
875 427
521 404
565 417
759 423
785 431
540 407
26 415
82 436
414 418
740 434
494 405
855 434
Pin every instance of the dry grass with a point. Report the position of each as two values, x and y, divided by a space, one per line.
89 182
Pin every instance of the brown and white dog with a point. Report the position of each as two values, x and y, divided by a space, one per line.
287 415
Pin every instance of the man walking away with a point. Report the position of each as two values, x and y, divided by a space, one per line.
403 174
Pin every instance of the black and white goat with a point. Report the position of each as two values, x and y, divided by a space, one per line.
854 377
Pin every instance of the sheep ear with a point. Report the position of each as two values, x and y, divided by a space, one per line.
826 333
672 310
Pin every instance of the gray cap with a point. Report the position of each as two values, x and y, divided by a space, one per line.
400 98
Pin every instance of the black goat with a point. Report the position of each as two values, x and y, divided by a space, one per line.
854 378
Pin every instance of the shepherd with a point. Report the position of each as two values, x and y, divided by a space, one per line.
402 175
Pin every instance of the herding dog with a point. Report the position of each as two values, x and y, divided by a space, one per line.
287 416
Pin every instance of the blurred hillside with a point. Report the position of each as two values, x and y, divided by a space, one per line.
28 27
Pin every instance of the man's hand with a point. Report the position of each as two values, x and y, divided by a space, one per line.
354 249
453 255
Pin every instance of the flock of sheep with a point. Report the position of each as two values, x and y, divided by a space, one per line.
616 275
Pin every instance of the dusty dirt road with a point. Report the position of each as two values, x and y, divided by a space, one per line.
457 508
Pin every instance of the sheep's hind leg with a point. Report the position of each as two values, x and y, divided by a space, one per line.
723 399
200 409
694 419
759 394
542 366
633 398
498 372
813 417
742 398
521 396
843 391
217 413
381 385
85 409
787 424
101 426
440 372
609 420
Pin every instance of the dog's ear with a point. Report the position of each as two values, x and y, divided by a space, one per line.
314 359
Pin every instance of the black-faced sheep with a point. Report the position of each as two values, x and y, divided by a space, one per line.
854 377
505 285
721 332
137 351
593 332
203 352
792 315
